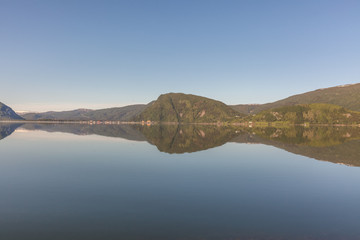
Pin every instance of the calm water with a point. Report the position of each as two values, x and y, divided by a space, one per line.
178 182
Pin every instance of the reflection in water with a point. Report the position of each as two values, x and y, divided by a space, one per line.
60 186
334 144
186 138
118 131
315 136
7 129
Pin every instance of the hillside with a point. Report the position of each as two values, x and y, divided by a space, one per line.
347 96
179 107
110 114
317 113
6 113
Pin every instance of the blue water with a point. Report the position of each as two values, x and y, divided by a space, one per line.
64 186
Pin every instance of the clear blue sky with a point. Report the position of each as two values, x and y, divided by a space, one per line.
66 54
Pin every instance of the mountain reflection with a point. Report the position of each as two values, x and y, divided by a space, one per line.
187 138
7 129
333 144
117 131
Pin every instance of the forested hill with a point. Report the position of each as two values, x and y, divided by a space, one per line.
347 96
179 107
316 113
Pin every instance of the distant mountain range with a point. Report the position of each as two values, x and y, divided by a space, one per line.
6 113
171 107
126 113
179 107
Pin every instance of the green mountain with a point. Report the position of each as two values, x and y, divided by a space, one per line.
110 114
6 113
179 107
347 96
316 113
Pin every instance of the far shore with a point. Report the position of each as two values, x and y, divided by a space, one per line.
149 123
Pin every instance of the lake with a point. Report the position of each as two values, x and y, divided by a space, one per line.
69 181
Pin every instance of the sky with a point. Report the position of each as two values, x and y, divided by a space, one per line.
69 54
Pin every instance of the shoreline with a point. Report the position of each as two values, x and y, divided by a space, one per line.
149 123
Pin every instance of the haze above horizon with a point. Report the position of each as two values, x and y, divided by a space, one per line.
94 54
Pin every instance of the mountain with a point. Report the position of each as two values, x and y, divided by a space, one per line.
347 96
110 114
6 113
179 107
316 113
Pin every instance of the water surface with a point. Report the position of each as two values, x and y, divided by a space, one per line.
178 182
